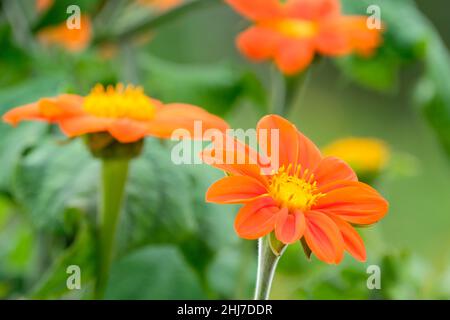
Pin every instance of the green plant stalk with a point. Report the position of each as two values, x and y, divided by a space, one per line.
114 177
267 264
287 91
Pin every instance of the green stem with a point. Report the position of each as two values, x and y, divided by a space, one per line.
267 263
114 177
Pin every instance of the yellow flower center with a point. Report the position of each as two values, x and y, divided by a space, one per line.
119 102
294 191
294 28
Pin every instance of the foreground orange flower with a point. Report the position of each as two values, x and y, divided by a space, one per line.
310 197
125 112
71 39
291 32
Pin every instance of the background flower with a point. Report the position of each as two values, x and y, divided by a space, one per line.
310 196
292 32
124 112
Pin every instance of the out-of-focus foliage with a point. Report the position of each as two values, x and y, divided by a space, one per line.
409 37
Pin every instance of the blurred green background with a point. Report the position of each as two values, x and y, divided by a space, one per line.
170 243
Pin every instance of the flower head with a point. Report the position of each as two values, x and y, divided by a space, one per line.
74 40
126 113
310 196
293 31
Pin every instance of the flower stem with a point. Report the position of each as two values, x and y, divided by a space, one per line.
114 176
267 263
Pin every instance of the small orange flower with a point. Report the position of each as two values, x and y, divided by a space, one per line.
125 112
291 32
43 5
74 40
312 197
160 4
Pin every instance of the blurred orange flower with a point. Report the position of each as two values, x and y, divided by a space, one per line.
293 31
71 39
312 197
43 5
125 112
161 4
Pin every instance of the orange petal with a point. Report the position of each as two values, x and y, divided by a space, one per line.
256 219
331 169
332 39
286 146
236 158
294 56
312 9
184 116
26 112
353 201
290 227
76 126
323 237
75 40
309 155
258 43
347 34
362 39
46 109
352 240
235 189
128 130
257 9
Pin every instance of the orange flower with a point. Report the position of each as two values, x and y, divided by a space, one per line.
43 5
71 39
312 197
126 113
160 4
291 32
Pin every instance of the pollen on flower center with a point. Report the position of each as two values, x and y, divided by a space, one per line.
294 190
295 28
119 102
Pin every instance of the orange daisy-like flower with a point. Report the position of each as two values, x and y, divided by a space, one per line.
74 40
312 197
125 112
292 31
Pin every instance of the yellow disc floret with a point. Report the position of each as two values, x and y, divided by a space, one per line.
119 102
296 190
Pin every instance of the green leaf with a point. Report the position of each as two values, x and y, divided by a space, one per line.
216 88
231 275
166 202
435 96
153 272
